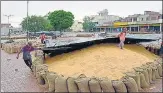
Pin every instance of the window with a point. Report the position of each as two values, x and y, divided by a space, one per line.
134 19
147 18
153 18
141 19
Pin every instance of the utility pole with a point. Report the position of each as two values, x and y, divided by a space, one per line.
27 21
8 17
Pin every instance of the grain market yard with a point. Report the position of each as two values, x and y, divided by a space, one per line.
24 81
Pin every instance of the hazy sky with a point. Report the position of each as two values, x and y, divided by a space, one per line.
78 8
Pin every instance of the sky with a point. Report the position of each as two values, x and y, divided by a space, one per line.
79 8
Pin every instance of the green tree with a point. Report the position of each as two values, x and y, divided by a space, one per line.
88 24
60 19
36 23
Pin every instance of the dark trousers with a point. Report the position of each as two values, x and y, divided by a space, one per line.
28 63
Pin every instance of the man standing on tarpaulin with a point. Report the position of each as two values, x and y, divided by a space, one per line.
122 37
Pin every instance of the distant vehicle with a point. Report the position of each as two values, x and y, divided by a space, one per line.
57 33
37 34
47 33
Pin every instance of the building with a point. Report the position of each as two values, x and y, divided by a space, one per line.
150 21
103 21
77 26
7 28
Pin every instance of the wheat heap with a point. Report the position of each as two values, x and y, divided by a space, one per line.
103 60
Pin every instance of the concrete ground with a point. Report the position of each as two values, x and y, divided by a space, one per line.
17 77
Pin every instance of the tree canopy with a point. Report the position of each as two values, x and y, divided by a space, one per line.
61 19
36 23
88 24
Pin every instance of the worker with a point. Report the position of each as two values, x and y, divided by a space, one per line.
42 37
26 54
122 37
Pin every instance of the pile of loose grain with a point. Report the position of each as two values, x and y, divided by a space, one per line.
104 60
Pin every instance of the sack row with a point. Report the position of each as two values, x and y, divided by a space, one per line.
16 46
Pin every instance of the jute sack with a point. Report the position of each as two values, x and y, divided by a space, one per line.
82 83
35 63
146 74
149 70
94 85
119 86
150 74
130 84
106 85
157 74
60 84
160 70
51 76
143 82
41 67
136 77
41 79
153 73
71 85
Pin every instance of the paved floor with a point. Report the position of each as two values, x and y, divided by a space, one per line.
16 76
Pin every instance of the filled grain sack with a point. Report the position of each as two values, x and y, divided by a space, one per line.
130 84
146 74
82 83
153 73
157 74
41 78
150 74
149 70
71 85
60 84
94 85
136 77
160 70
51 76
119 86
41 68
106 85
143 82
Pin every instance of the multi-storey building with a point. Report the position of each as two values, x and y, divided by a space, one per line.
103 21
149 21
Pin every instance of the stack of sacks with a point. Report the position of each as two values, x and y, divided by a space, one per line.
153 45
146 74
16 46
